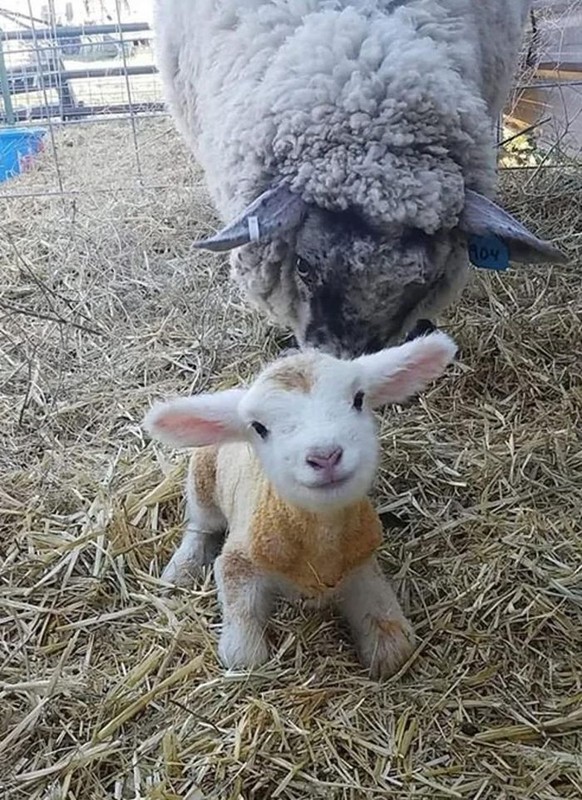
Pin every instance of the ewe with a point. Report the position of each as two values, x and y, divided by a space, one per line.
349 148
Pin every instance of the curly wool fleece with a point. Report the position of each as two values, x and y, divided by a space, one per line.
355 106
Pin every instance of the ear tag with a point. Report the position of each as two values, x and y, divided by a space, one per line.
488 252
254 232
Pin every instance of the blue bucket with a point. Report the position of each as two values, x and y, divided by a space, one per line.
18 147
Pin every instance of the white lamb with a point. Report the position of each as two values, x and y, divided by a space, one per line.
286 466
349 147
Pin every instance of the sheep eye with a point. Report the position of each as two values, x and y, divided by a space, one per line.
303 268
260 429
358 401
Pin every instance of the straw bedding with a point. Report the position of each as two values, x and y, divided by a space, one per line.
110 687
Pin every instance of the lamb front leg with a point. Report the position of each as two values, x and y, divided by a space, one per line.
383 635
246 598
205 530
201 543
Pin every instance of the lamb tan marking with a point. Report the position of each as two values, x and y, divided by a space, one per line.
203 473
293 502
237 569
292 378
389 626
312 552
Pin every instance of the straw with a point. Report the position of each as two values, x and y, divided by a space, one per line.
110 687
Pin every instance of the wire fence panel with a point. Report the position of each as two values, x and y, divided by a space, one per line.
102 76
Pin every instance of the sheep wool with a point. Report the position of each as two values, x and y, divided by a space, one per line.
353 102
348 146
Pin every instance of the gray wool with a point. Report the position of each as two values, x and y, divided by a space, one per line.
380 105
384 108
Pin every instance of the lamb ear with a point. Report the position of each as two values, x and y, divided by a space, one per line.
275 211
197 421
396 373
483 217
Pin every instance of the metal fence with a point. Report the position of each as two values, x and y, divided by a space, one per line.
104 77
44 71
99 77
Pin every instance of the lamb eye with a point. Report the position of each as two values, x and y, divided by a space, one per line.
358 401
303 268
260 429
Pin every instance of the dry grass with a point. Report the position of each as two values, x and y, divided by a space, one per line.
111 689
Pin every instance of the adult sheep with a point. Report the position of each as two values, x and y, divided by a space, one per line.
348 146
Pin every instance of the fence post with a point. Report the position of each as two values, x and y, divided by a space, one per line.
5 88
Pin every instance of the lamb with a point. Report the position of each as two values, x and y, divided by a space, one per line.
285 465
348 146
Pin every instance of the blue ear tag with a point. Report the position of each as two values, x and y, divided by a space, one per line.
488 252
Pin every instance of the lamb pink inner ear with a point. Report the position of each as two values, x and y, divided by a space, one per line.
421 372
190 429
397 374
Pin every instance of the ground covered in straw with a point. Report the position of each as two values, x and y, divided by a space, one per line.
111 689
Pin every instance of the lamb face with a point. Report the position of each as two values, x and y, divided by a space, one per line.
313 431
309 418
311 423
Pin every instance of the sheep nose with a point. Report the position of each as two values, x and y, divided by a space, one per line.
324 458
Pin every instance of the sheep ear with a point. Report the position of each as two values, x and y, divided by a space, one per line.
275 211
396 373
483 217
198 421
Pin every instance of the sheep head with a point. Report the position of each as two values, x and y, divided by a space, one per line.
309 417
348 288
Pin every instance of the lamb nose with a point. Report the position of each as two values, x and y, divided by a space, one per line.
324 459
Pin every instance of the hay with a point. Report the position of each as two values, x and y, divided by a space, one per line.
110 688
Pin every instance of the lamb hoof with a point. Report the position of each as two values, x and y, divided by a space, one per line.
181 572
242 649
198 549
388 646
422 328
